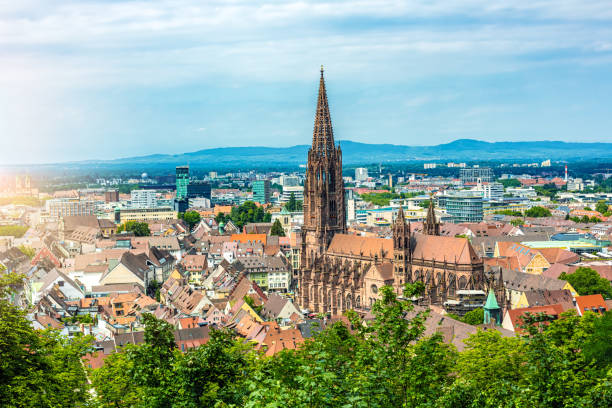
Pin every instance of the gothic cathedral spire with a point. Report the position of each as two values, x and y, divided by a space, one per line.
431 226
324 212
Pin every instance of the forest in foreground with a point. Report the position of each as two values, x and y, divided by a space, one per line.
384 362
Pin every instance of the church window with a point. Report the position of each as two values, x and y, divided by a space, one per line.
374 289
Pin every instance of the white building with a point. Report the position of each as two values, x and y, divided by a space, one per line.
297 191
143 198
289 181
361 174
490 191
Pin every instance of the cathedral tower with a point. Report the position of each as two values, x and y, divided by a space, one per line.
402 252
431 226
324 212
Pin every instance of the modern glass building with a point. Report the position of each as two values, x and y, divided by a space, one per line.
464 207
261 191
199 190
182 182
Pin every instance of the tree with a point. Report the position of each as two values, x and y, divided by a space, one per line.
151 363
587 281
293 204
219 218
38 368
602 207
474 317
277 229
537 212
140 229
192 218
28 251
113 384
509 182
247 213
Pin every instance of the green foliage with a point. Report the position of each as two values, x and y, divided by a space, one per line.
293 205
16 231
509 182
277 229
383 199
602 207
140 229
587 281
192 218
113 384
247 213
517 222
474 317
249 301
538 212
512 213
28 251
38 368
548 190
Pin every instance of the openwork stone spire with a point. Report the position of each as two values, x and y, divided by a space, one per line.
323 134
431 226
324 211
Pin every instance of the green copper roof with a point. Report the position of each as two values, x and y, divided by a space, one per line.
491 301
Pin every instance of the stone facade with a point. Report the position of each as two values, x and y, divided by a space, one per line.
341 271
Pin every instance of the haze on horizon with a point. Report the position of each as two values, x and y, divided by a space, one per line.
94 79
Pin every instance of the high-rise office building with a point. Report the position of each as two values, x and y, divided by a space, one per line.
182 181
261 191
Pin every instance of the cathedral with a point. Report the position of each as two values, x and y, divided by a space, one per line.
341 271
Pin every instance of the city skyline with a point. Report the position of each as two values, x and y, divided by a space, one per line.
101 81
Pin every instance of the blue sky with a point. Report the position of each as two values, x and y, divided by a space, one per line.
99 79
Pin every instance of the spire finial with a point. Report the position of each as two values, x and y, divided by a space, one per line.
321 70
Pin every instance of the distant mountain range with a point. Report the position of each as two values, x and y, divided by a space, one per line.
363 153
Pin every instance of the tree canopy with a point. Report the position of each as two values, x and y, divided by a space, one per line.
244 214
140 229
293 205
587 281
538 212
192 218
277 229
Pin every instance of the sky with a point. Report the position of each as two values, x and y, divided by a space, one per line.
104 79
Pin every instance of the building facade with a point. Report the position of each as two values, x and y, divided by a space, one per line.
464 207
66 207
339 271
182 182
261 191
143 198
474 174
